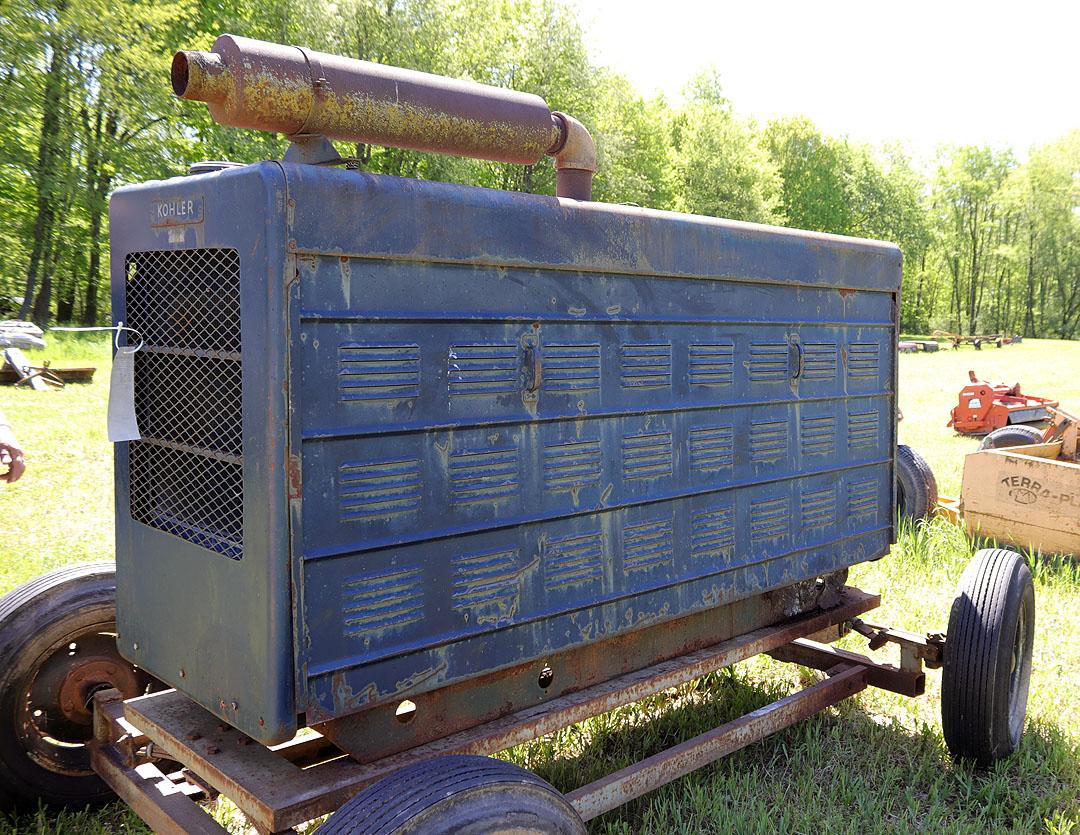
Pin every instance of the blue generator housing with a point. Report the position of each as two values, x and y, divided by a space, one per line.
399 436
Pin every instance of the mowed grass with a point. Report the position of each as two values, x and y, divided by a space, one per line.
876 763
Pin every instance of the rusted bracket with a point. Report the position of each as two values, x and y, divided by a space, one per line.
113 730
906 682
312 149
915 649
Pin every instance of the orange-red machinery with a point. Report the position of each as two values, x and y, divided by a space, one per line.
984 407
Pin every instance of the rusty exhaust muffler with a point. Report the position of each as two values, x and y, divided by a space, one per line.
298 92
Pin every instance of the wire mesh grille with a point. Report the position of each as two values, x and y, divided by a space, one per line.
186 493
186 474
186 299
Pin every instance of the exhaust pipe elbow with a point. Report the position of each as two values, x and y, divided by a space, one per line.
575 158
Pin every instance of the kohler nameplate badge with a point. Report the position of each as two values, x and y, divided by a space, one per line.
176 212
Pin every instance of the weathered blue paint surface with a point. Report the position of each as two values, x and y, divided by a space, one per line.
516 425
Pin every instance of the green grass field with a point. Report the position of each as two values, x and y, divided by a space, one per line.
876 763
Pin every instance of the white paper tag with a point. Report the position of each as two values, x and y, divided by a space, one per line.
122 425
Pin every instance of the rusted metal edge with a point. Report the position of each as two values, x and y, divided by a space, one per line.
276 794
162 805
643 777
906 682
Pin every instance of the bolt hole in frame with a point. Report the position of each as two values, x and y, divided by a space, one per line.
406 712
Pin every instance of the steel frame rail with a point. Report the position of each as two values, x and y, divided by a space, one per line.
280 787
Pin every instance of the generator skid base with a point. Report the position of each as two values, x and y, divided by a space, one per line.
282 786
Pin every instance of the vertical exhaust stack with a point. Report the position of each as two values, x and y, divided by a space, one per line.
298 92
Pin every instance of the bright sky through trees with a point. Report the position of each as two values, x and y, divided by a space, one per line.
924 73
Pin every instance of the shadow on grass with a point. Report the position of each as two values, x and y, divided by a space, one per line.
844 770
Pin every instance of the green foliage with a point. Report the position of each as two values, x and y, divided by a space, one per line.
989 244
717 166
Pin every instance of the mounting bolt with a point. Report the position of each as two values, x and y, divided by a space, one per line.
212 749
135 645
193 735
234 705
183 672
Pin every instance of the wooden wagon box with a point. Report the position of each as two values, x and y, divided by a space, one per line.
1020 496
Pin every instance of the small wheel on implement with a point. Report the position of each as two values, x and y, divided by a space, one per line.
57 649
987 664
916 487
1015 435
457 794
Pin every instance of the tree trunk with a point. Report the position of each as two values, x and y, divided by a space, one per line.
98 182
1029 312
43 302
44 172
93 272
65 303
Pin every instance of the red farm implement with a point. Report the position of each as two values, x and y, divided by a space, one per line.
984 407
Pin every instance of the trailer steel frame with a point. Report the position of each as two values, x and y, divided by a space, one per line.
282 786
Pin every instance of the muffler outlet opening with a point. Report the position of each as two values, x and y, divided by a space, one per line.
180 73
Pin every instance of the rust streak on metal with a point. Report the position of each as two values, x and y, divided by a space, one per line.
616 789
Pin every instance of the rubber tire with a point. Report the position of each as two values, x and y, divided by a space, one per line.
916 487
33 617
982 717
456 794
1015 435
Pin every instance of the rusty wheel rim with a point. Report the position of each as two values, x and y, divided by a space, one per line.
55 714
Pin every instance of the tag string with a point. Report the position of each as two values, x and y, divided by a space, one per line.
118 328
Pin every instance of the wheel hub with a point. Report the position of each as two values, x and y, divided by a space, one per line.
87 677
57 715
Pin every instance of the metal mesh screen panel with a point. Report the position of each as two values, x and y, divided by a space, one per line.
186 473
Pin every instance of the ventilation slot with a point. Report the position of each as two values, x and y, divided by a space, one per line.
572 368
646 366
712 365
647 456
187 472
647 545
769 361
863 359
378 372
483 369
572 465
818 435
819 361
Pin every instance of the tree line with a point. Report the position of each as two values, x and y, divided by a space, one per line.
990 244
